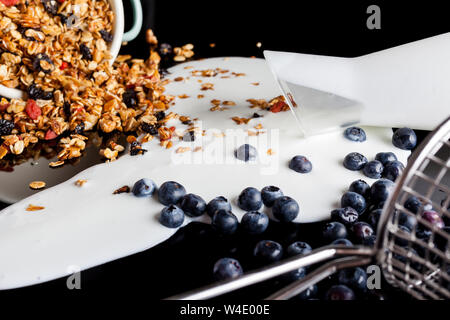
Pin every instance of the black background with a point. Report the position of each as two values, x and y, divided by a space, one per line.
321 27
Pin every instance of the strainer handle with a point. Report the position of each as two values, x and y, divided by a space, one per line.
291 264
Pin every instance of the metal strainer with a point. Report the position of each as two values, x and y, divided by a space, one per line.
417 262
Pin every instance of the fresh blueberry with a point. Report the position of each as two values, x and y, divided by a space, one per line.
255 222
285 209
343 242
361 230
193 205
334 230
373 169
370 241
393 170
346 216
407 220
144 188
354 161
171 216
268 251
402 230
405 139
216 204
246 153
270 194
295 275
381 190
361 187
433 218
413 204
385 157
300 164
171 192
250 199
355 134
227 268
308 293
374 217
355 278
354 200
298 248
225 222
340 292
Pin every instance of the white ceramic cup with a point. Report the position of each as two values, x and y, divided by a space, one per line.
119 36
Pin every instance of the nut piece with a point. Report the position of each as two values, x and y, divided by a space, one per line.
36 185
124 189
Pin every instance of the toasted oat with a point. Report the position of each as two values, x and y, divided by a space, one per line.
200 96
218 108
124 189
255 83
36 185
258 126
34 208
56 164
197 149
178 79
228 103
182 149
239 120
80 182
207 86
183 96
150 37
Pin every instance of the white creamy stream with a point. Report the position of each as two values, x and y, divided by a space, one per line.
82 227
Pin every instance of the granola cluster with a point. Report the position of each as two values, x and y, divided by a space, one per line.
57 51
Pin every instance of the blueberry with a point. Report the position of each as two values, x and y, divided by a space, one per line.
373 169
227 268
393 170
160 115
346 216
381 190
400 241
361 231
85 52
354 200
246 153
433 218
407 220
171 217
285 209
355 278
193 205
344 242
295 275
334 230
144 188
250 199
34 92
405 139
268 251
361 187
385 157
130 99
6 127
354 161
38 67
308 293
270 194
51 6
340 292
255 222
355 134
107 36
216 204
171 192
413 204
300 164
298 248
370 241
374 217
225 222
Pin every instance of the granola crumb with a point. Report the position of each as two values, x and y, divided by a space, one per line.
200 96
240 121
124 189
182 149
37 185
197 149
183 96
34 208
56 164
80 182
255 83
270 152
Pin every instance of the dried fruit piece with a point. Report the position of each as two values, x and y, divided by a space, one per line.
32 109
9 2
124 189
50 135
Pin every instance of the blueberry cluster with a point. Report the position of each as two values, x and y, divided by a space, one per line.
385 165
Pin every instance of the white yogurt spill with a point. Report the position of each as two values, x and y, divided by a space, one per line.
82 227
